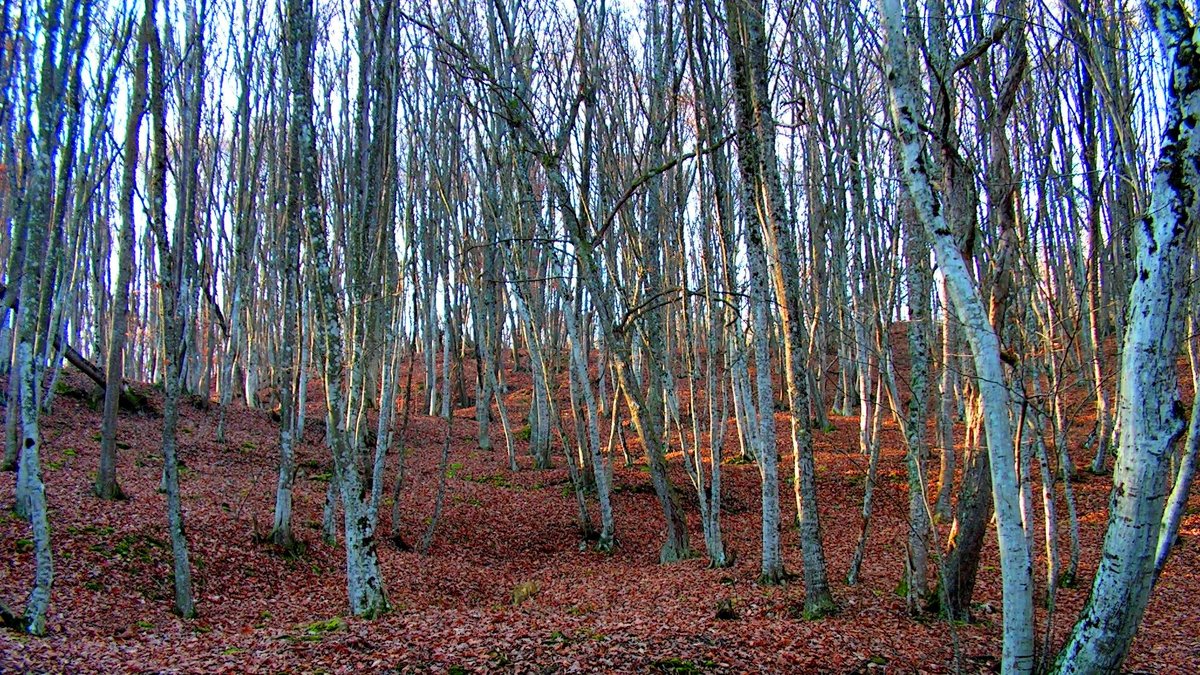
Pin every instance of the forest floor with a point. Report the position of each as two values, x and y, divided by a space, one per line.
454 610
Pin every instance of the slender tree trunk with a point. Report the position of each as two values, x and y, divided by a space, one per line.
31 500
106 477
281 530
765 451
1177 503
917 455
30 343
946 408
600 461
171 321
1016 566
760 177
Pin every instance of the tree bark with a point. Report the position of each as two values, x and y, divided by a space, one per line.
1150 414
1016 566
365 586
760 177
106 477
172 277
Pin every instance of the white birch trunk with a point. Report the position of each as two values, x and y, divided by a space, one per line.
1016 566
1150 415
1177 503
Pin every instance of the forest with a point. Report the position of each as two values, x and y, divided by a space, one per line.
667 336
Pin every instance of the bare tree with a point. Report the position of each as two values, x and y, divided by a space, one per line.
1018 655
1150 416
364 580
764 198
106 477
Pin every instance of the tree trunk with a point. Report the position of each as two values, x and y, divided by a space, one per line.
364 581
760 177
106 477
285 372
917 454
172 278
1177 503
1150 415
1016 566
946 408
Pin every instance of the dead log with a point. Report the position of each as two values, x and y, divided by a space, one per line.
73 356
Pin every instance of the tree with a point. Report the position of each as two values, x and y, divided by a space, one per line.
365 585
173 255
1150 414
106 476
764 199
1016 569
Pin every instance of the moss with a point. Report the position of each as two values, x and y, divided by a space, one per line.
263 617
133 547
495 480
680 666
132 401
103 531
318 629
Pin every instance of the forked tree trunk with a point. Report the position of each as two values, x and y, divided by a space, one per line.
364 581
1150 415
600 461
761 182
1016 566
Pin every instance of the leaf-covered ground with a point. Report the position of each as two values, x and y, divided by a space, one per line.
503 535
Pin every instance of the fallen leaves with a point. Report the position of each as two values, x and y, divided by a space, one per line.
506 585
